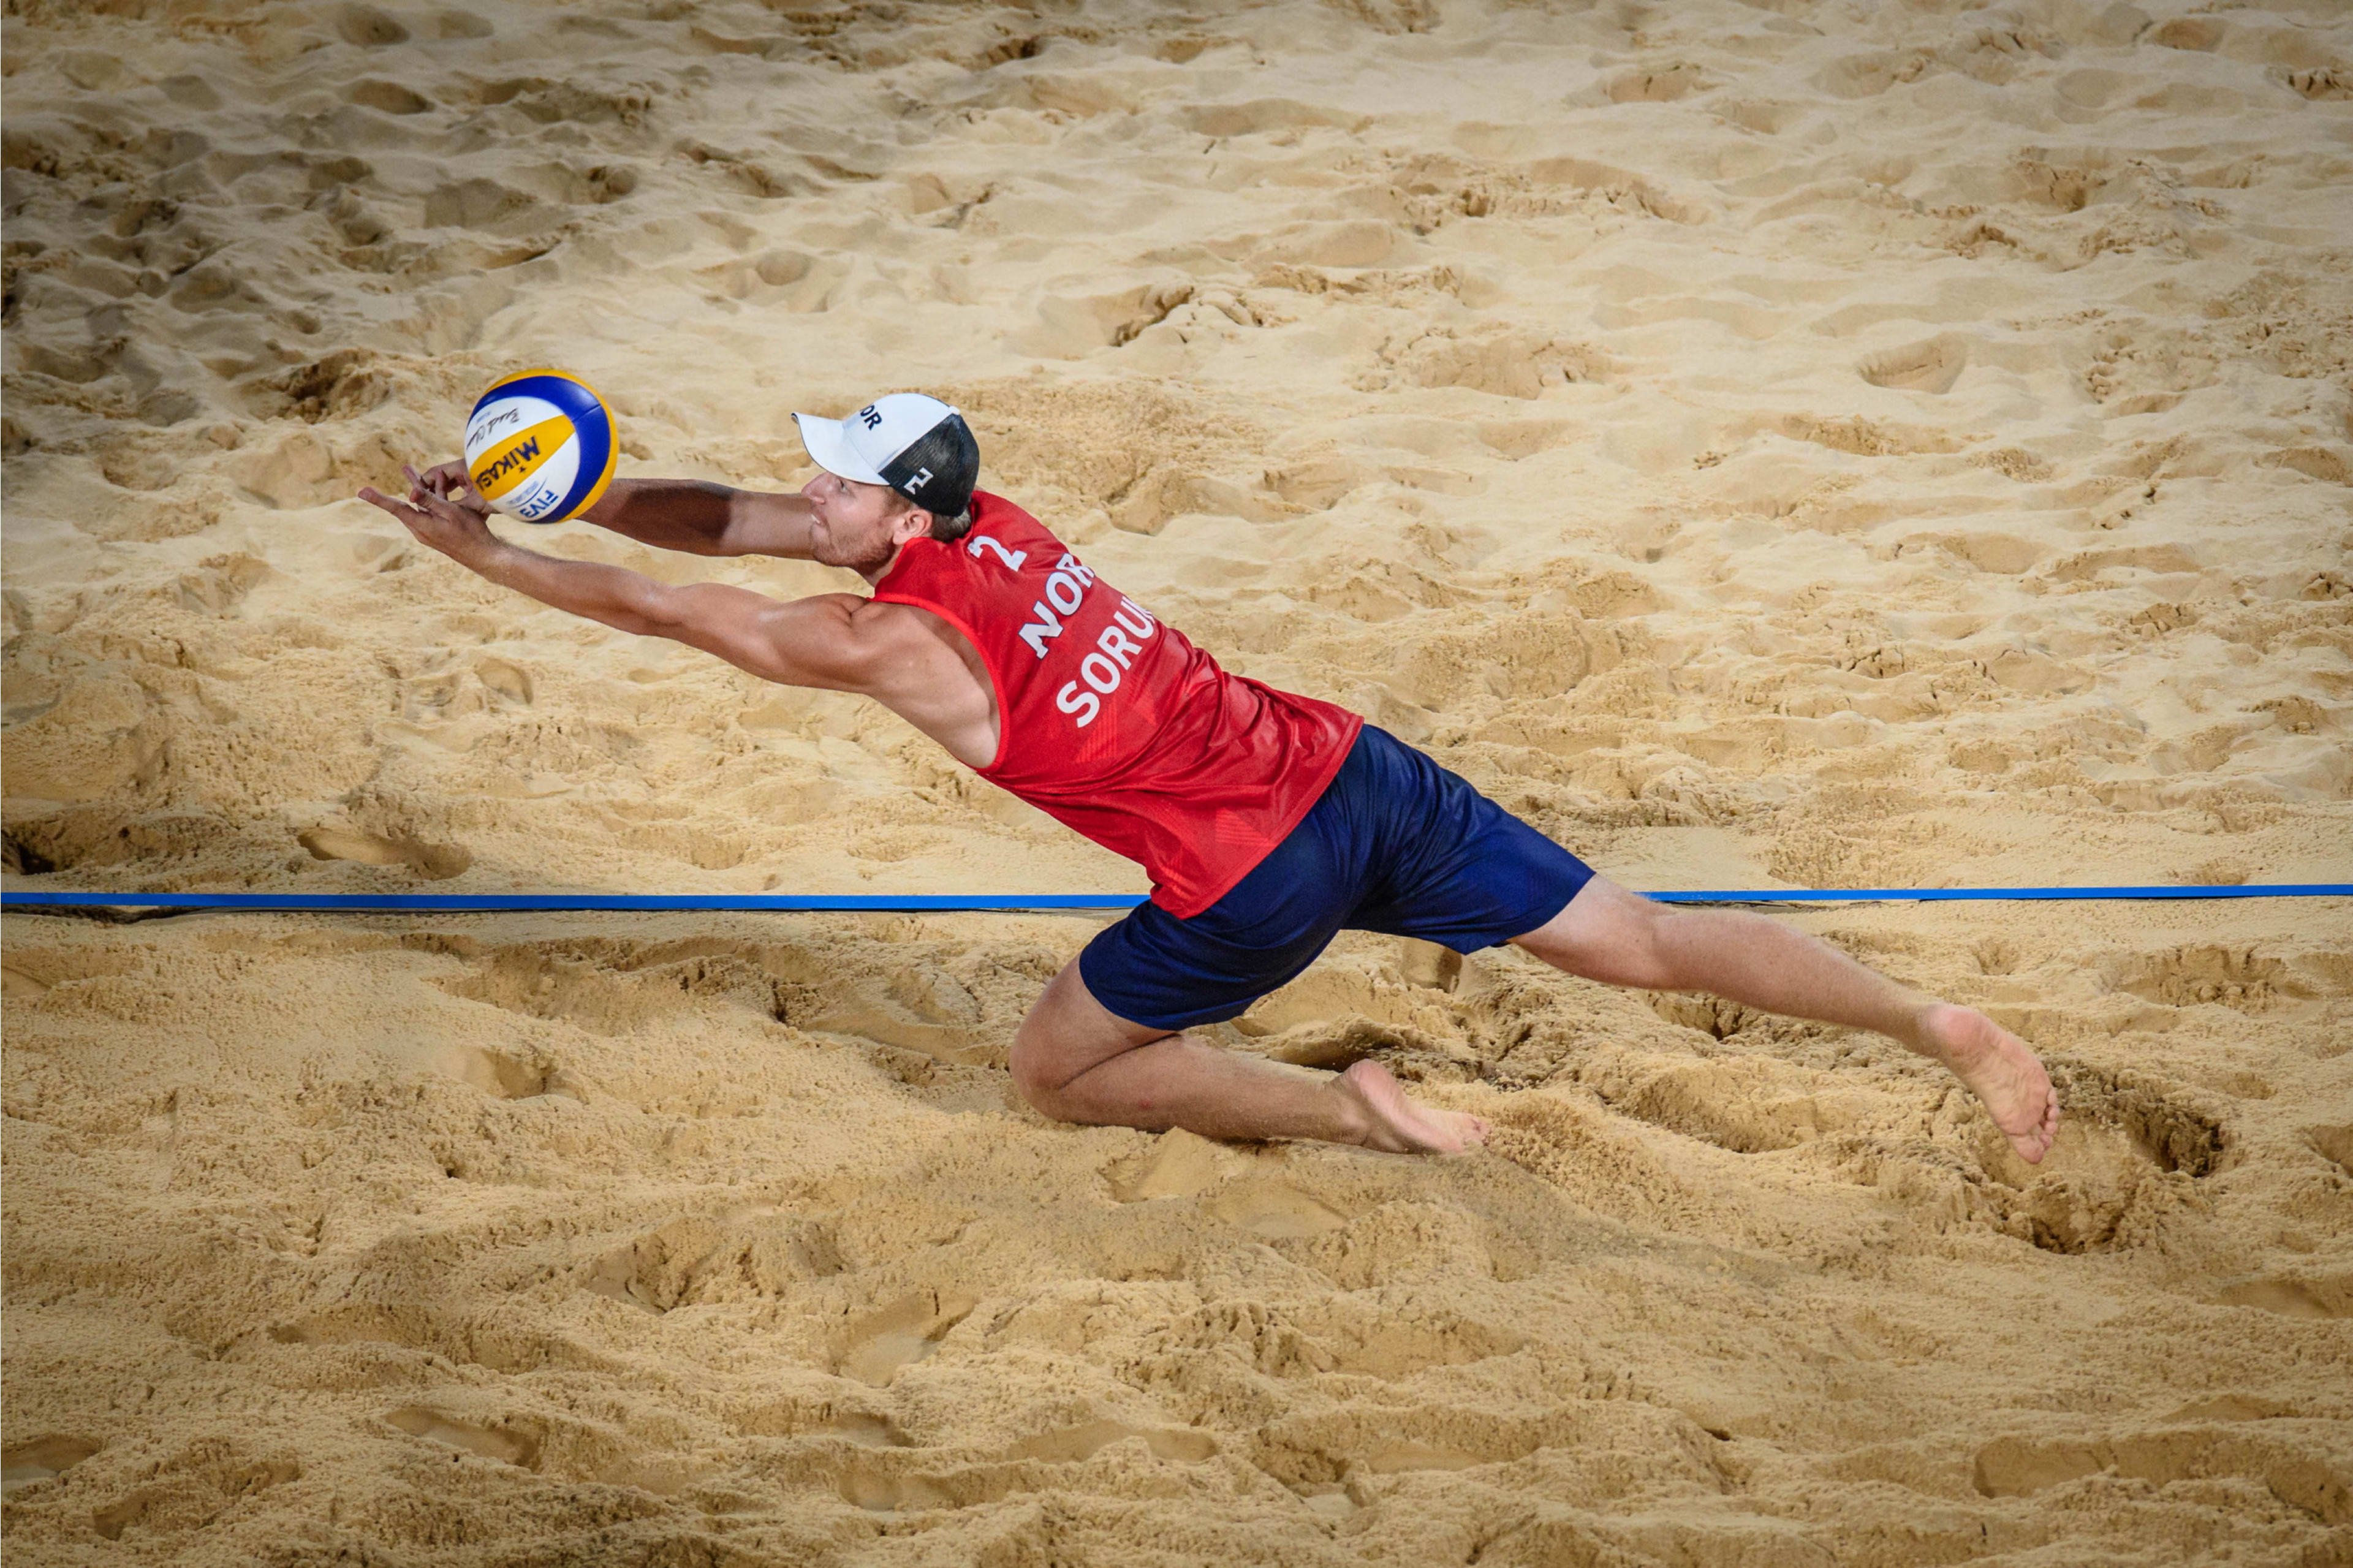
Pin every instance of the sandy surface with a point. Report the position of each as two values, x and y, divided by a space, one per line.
1813 445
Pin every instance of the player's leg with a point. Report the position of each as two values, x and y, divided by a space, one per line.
1076 1061
1106 1043
1609 934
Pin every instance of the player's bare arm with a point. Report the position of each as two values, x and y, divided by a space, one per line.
700 517
694 517
901 657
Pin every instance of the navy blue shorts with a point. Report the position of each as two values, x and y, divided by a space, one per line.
1395 844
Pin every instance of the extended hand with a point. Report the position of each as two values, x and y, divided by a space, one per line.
449 480
453 528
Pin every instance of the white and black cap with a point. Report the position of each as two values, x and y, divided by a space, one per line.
918 445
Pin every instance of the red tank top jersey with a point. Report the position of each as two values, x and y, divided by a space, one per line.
1114 724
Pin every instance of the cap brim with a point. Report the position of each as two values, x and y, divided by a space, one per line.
828 444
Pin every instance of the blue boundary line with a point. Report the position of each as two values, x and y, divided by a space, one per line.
915 903
1943 895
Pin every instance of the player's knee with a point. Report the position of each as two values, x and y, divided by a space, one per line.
1036 1074
1609 934
1649 954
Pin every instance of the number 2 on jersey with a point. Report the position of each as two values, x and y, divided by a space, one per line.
1012 559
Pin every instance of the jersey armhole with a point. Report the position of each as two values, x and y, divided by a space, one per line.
996 687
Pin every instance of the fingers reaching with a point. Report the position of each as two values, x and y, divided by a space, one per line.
447 511
447 482
404 511
428 516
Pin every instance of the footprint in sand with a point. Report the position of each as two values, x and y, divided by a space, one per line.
615 995
504 681
2020 1466
2291 1296
386 96
881 1489
1275 1211
2334 1144
1070 1445
1503 361
369 27
503 1444
763 1254
495 1073
1931 367
1181 1164
886 1483
1752 1105
44 1458
876 1346
2238 978
1660 84
435 862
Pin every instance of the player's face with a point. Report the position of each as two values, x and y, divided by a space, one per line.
856 525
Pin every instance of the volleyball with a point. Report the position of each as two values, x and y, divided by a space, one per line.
540 445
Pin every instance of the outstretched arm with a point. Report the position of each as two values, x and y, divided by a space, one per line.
801 642
705 519
690 515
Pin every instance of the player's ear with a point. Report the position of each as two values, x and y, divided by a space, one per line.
914 524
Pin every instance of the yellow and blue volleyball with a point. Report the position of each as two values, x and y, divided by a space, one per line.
540 445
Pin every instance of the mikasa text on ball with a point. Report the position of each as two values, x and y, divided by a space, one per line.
540 445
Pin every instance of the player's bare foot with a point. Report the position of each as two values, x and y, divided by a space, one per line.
1396 1125
1999 1070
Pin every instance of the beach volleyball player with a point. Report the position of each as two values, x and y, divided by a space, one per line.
1268 821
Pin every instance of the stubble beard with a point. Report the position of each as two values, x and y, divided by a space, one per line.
864 562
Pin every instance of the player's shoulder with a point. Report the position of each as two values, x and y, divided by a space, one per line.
890 645
884 617
885 628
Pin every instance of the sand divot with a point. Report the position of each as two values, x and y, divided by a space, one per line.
1177 1164
502 1444
1753 1105
2089 1183
760 1254
435 862
1504 362
2333 1144
1070 1445
876 1346
2293 1296
1275 1210
494 1072
508 682
1405 1241
43 1458
2237 978
190 1489
2019 1467
1660 84
1932 366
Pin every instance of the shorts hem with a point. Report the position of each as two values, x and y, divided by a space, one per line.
1217 1013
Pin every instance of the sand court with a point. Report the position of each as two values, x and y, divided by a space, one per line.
774 1261
1806 446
